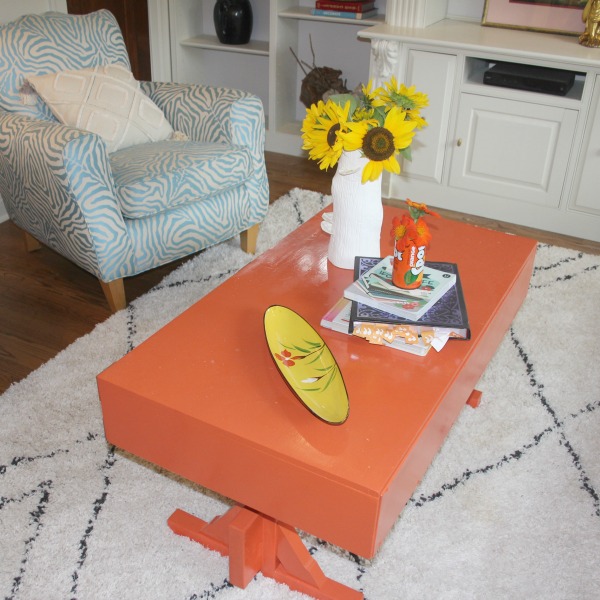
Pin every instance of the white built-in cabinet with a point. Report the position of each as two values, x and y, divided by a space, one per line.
531 158
521 148
518 156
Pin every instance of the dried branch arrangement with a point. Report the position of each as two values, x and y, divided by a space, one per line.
318 82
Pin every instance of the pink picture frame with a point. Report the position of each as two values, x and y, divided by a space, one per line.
550 18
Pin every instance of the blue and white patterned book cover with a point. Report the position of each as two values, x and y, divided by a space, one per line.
450 311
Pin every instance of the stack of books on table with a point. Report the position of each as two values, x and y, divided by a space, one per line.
348 9
409 320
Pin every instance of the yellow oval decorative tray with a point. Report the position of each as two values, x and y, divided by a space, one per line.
307 364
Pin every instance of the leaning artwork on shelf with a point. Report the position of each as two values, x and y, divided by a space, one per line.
552 16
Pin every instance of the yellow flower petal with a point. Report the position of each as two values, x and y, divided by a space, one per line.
372 171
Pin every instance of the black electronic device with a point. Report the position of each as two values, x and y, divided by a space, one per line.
530 78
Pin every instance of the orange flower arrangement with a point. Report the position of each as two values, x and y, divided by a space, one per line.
412 228
410 231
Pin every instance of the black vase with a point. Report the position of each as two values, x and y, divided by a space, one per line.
233 21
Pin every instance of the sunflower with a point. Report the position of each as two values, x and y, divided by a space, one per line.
320 130
381 123
403 97
380 144
370 96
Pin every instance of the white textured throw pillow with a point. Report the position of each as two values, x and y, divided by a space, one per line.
106 100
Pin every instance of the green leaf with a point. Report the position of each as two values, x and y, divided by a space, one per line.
406 153
341 99
317 355
379 114
414 213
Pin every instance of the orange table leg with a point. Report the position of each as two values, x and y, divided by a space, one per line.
474 399
255 542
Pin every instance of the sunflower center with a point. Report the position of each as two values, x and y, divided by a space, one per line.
332 134
378 144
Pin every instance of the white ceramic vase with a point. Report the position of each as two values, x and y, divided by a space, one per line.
355 225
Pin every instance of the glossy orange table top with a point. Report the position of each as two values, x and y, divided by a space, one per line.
203 398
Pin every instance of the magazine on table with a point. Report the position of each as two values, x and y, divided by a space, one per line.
375 289
337 318
450 312
377 282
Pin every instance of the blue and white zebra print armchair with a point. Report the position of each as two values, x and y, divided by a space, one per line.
117 214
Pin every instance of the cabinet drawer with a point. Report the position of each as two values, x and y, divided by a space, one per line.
512 149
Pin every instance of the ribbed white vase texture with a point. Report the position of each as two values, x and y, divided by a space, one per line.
357 212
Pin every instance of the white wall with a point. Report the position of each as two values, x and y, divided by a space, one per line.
10 10
465 9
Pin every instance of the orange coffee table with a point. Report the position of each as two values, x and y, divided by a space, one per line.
203 398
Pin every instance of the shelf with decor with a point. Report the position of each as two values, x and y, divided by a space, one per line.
473 81
266 66
336 44
211 42
304 13
197 55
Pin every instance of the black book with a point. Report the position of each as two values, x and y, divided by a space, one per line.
449 311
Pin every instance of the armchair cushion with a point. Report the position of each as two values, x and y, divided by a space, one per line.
106 100
152 178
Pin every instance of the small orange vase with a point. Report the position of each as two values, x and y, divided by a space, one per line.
407 271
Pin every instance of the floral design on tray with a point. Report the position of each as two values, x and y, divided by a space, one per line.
312 353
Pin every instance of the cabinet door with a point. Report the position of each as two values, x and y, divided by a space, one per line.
433 74
587 196
512 149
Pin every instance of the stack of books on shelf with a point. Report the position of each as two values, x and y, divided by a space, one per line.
348 9
413 321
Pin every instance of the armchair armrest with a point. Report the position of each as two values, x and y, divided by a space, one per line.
219 115
57 184
211 114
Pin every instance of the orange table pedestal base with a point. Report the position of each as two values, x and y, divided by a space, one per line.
255 542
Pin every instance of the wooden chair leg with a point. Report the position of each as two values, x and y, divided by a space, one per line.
31 243
248 239
115 294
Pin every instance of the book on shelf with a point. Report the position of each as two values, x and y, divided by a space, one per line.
375 289
337 318
448 313
356 6
344 14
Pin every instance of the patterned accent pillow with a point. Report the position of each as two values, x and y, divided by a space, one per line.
105 100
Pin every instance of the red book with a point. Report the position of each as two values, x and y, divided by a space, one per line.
350 6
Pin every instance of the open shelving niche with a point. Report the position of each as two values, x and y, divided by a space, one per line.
266 66
476 66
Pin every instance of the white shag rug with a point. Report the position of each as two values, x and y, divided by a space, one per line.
510 507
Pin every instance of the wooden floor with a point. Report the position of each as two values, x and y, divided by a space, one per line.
46 302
